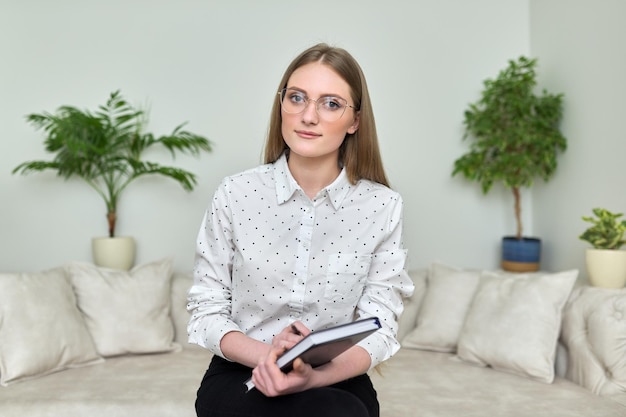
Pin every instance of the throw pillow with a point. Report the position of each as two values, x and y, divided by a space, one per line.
41 329
448 296
126 311
406 321
514 322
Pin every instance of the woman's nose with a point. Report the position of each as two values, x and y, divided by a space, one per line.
309 115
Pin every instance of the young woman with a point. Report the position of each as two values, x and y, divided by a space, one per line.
310 240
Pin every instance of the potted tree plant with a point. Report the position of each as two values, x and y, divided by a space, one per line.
105 149
606 264
516 139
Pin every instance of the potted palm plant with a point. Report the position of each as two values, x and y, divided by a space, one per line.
515 139
606 263
105 149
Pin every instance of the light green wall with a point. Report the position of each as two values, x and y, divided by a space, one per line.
580 46
216 64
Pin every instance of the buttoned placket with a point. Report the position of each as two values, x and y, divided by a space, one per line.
303 253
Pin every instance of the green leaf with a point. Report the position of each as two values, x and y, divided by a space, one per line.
105 148
514 132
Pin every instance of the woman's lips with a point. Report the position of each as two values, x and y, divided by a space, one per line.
307 135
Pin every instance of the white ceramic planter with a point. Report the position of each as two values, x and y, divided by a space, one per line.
113 252
606 267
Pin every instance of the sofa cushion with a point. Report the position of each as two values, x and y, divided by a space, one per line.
514 321
152 385
181 283
447 299
41 329
420 383
126 311
594 333
407 319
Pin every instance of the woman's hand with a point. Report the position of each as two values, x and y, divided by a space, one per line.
290 335
267 376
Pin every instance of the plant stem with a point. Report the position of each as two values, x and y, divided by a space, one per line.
518 211
111 217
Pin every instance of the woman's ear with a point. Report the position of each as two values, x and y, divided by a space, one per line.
355 125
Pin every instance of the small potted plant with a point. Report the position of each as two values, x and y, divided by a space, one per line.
105 149
516 139
606 264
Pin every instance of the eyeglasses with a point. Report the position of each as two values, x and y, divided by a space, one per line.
329 108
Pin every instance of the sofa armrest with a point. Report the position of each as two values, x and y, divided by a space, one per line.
594 334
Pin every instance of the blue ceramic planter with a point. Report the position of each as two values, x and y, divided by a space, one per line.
521 255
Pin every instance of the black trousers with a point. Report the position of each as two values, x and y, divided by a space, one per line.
222 393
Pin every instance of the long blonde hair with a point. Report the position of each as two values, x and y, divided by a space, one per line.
359 153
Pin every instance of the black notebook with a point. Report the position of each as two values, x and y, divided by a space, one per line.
321 346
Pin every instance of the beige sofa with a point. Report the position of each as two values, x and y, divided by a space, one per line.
584 376
140 364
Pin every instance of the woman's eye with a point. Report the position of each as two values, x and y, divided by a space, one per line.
296 98
332 103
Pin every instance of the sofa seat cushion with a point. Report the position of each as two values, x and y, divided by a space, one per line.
620 398
417 383
154 385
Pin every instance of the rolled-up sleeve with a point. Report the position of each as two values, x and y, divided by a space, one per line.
209 299
387 285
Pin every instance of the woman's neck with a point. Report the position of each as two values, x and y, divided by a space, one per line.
313 174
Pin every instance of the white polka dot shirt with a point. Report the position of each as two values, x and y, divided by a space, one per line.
268 255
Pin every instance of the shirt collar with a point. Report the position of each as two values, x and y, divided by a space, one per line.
286 185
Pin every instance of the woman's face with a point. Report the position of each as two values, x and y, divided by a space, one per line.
307 134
